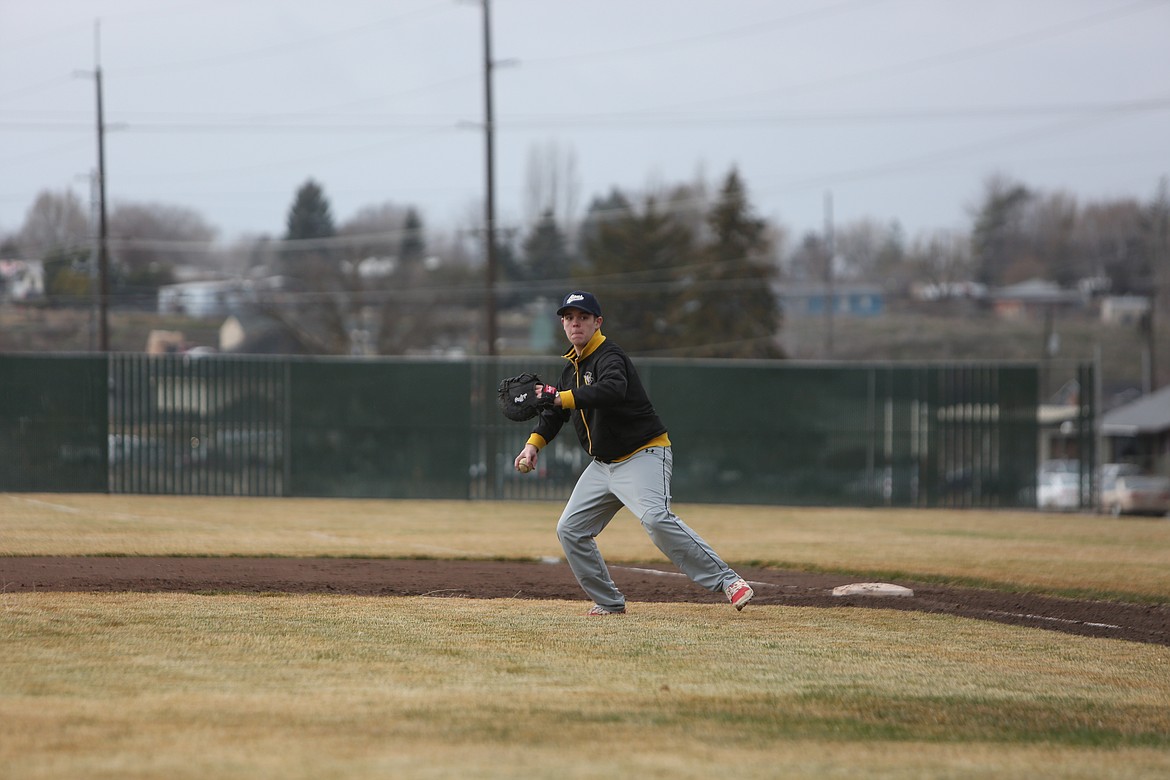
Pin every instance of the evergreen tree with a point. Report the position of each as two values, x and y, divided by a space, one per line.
633 261
412 249
511 273
996 240
728 306
322 304
547 261
309 216
611 207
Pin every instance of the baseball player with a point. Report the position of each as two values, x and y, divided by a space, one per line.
601 393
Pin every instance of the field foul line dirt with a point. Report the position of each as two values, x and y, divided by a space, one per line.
994 612
1053 619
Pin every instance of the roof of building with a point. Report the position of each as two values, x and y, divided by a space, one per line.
1036 291
1148 414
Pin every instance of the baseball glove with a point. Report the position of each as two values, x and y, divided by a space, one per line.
521 397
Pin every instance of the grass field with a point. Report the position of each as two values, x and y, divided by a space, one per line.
1067 554
234 686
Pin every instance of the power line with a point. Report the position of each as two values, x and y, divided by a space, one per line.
428 88
919 63
249 123
48 150
276 48
240 127
39 86
167 10
332 153
845 117
944 155
756 28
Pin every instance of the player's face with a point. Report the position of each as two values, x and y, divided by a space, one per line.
579 326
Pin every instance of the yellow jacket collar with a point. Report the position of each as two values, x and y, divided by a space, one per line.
590 348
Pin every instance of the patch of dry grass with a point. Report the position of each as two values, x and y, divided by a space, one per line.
186 686
1088 554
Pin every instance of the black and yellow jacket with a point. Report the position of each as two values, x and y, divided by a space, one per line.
603 396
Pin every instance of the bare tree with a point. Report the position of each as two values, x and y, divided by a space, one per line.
999 240
1109 237
374 231
252 256
1053 221
859 249
942 258
57 231
149 238
1160 239
553 185
805 263
56 222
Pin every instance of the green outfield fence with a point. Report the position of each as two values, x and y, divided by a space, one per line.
961 435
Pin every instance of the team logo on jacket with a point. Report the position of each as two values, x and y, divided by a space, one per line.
588 377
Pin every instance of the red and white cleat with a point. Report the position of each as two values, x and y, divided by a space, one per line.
739 593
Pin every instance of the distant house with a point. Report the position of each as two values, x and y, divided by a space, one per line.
1124 309
1032 298
1139 432
202 299
850 300
22 280
948 291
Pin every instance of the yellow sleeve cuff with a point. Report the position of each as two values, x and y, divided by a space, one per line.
567 401
536 440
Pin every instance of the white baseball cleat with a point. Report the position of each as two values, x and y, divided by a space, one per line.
600 610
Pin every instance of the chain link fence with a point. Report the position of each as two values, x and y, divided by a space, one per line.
953 434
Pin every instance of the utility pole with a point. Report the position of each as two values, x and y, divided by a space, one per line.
1160 299
490 183
103 231
830 296
92 266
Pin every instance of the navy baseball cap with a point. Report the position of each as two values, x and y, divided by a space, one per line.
579 299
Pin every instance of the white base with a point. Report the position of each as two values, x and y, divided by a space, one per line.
872 589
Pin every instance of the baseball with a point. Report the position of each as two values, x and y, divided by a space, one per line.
523 467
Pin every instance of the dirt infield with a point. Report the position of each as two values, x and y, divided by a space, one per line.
493 579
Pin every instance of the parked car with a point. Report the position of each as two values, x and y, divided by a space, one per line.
1111 471
1060 466
1125 490
1060 490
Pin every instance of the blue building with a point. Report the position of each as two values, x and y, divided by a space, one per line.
805 299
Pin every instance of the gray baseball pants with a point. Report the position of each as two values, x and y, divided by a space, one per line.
642 484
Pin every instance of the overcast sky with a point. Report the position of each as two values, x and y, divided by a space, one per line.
900 108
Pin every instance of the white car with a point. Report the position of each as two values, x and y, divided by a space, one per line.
1060 465
1060 490
1125 490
